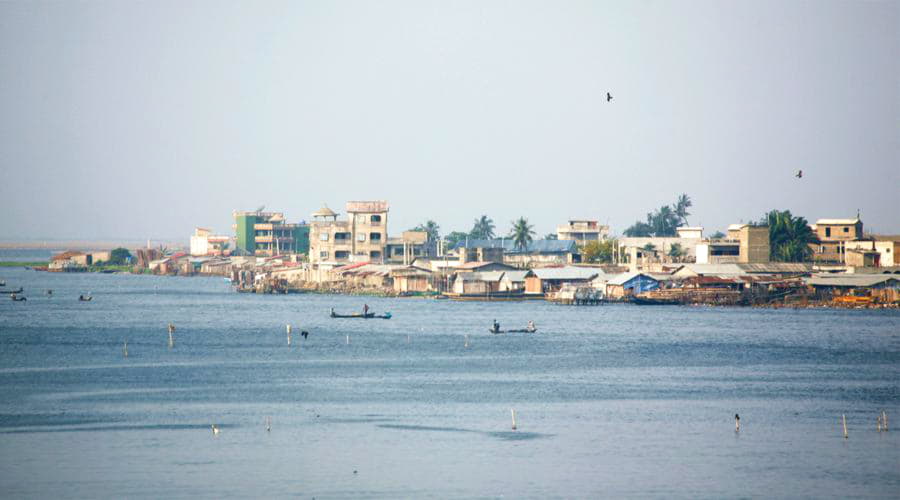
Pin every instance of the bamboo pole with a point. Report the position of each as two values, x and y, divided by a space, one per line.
844 420
512 411
737 423
125 349
289 334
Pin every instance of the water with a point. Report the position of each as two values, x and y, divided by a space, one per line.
611 401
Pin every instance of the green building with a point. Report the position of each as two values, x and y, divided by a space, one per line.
267 234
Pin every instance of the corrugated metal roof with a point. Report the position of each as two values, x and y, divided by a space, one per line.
516 276
777 267
851 280
485 276
625 278
721 269
537 246
565 273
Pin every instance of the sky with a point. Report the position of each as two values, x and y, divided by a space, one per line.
137 120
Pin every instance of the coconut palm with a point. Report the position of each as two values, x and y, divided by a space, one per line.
676 251
681 206
483 228
521 233
432 228
789 236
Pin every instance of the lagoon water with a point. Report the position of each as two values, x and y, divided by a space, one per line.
611 401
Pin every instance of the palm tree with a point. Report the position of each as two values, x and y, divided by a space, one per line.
432 228
551 236
521 233
789 236
681 206
483 228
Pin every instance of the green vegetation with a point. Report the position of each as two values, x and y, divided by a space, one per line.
789 236
455 237
103 266
676 251
718 235
483 229
431 227
551 236
664 220
13 263
599 251
521 233
119 256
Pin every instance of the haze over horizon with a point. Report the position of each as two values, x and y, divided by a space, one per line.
126 120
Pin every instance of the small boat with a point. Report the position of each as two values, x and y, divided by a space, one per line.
2 283
17 299
386 315
515 330
83 298
20 290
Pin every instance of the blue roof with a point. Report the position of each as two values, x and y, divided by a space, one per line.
536 246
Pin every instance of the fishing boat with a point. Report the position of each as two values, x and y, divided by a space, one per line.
17 299
84 298
386 315
13 291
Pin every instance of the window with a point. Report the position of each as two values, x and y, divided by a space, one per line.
398 251
827 232
323 236
375 219
846 229
375 254
323 254
340 255
341 236
374 236
361 237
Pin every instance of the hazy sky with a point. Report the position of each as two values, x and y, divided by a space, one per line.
144 119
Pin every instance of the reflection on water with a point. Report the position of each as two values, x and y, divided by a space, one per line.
610 401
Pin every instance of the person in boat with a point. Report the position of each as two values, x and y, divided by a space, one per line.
305 334
332 312
365 309
530 326
496 327
81 298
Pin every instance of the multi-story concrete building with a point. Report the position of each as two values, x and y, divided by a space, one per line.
582 231
203 242
362 237
411 245
745 244
268 233
833 235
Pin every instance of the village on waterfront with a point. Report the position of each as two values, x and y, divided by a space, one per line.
779 261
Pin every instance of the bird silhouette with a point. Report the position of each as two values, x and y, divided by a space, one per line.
799 174
608 97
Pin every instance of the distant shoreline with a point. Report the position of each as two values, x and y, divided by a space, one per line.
84 244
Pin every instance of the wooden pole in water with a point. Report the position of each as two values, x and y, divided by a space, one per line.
171 335
737 423
268 424
348 340
125 349
884 421
407 338
289 334
844 419
878 423
512 411
467 340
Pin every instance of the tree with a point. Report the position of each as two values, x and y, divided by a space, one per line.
551 236
598 251
119 256
789 236
675 251
521 233
718 235
680 207
432 228
483 228
649 247
639 229
663 221
455 237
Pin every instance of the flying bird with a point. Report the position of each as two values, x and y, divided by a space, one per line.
799 174
608 97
